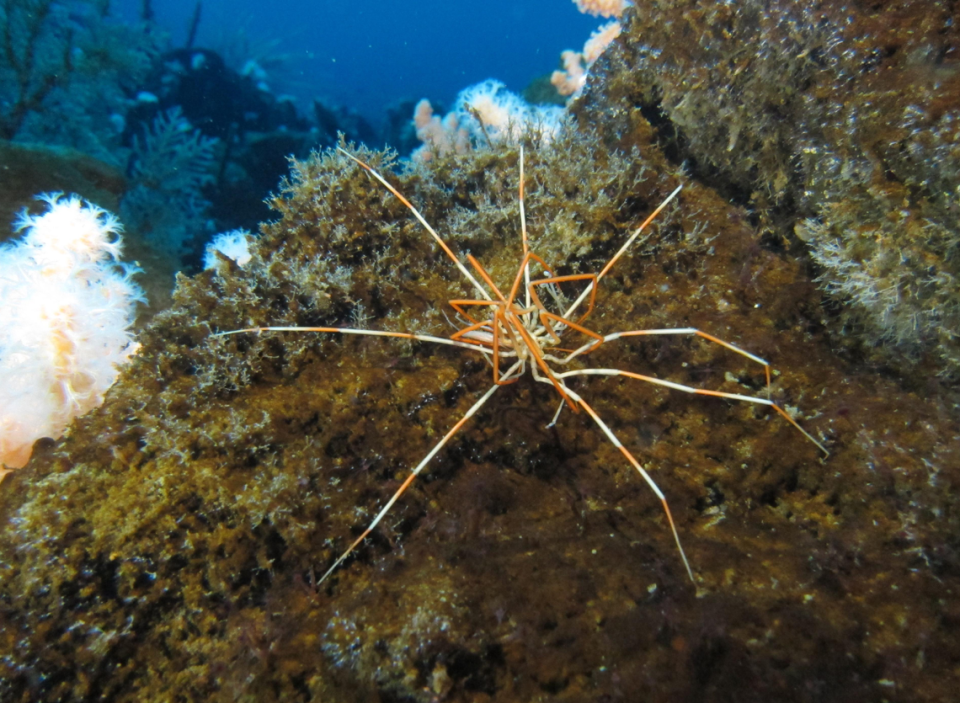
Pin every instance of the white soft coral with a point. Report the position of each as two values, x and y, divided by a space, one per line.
486 112
66 306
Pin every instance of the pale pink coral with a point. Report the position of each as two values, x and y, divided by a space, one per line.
491 113
439 138
486 112
602 8
571 80
573 77
599 41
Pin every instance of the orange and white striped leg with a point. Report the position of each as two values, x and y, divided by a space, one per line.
363 333
413 475
696 391
646 477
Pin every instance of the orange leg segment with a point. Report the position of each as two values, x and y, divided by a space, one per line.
410 479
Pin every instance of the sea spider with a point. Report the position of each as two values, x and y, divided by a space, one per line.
515 336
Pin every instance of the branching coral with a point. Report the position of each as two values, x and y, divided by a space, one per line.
602 8
439 137
172 162
33 56
485 113
573 77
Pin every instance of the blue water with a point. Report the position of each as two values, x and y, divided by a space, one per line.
369 54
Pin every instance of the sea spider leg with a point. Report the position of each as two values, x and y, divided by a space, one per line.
591 289
636 233
696 391
636 464
416 213
690 331
359 332
523 234
413 474
545 318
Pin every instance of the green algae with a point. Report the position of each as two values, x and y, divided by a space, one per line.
168 547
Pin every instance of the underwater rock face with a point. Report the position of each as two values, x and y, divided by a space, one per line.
839 124
167 548
29 169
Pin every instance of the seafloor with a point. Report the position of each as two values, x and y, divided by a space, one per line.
168 548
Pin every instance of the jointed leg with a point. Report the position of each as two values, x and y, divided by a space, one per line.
406 484
623 249
699 333
646 477
359 332
416 213
683 331
696 391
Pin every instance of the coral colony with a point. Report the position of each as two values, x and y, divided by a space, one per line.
485 113
64 323
235 245
571 80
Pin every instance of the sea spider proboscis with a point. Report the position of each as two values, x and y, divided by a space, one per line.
515 336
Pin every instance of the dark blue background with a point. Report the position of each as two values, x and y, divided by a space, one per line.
369 54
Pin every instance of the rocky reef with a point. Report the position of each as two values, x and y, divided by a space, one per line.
168 548
836 124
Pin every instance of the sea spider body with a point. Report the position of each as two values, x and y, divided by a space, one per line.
524 329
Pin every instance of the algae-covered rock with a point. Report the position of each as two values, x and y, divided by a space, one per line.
168 548
26 170
838 124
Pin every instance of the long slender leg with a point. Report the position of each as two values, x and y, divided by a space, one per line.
646 477
359 332
685 331
523 236
416 213
696 391
623 249
561 279
693 331
406 484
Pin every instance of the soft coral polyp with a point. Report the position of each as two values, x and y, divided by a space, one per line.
66 306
